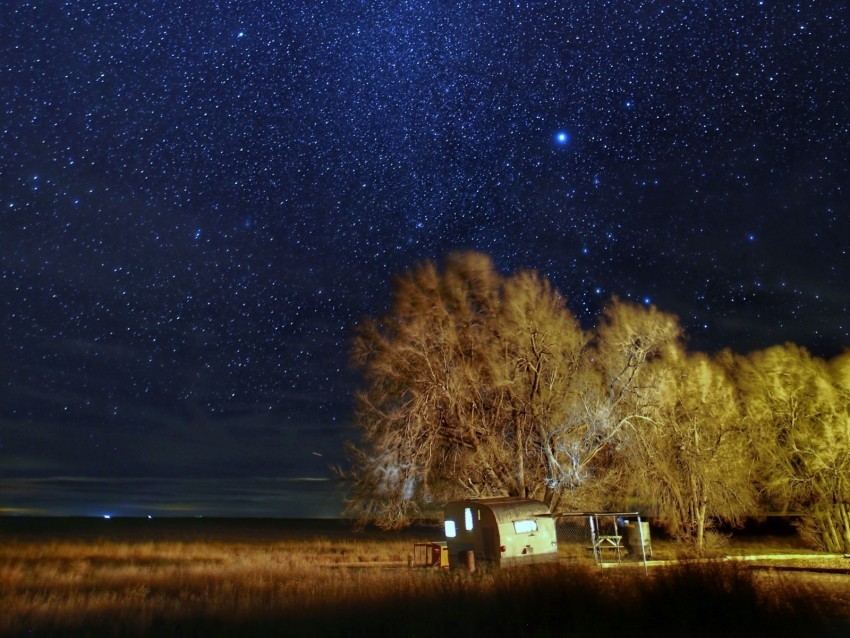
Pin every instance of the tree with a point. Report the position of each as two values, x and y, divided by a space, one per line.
691 456
609 395
799 407
477 384
538 358
461 378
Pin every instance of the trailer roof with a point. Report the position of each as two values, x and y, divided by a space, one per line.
505 508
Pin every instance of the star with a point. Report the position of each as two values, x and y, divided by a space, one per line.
192 230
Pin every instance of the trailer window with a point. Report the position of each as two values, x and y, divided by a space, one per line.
451 530
523 527
467 518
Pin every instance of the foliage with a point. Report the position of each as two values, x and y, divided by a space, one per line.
691 456
798 410
463 378
478 384
609 396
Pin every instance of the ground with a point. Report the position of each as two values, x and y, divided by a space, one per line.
290 578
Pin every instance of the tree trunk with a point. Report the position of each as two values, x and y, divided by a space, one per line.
695 522
520 470
552 496
828 532
845 519
700 513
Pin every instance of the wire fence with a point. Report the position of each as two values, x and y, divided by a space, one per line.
603 536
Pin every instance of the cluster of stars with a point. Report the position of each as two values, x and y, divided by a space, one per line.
197 204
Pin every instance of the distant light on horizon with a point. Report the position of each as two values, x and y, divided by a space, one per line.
155 498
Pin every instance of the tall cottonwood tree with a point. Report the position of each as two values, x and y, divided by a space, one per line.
477 384
610 395
798 407
462 378
537 356
691 457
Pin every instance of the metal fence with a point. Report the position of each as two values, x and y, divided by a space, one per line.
602 536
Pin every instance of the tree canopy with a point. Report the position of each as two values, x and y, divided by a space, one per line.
798 411
479 384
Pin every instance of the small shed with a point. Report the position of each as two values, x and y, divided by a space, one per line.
500 532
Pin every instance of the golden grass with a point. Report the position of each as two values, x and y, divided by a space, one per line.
302 587
65 583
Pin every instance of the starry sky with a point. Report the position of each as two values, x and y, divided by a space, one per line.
200 199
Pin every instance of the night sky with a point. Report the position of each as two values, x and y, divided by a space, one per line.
199 200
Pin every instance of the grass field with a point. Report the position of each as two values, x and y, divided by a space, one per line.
189 578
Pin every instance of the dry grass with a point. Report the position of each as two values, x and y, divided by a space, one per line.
312 586
67 584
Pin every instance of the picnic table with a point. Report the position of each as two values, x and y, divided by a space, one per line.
603 542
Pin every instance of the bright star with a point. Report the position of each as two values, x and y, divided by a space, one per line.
562 138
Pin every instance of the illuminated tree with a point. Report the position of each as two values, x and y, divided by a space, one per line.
690 456
538 358
462 378
609 395
477 384
799 408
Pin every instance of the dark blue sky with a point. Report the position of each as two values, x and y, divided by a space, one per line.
198 200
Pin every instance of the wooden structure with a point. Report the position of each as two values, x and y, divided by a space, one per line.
434 554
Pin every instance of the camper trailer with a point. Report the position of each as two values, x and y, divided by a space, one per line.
499 532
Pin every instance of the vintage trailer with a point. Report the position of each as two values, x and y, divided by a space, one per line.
499 532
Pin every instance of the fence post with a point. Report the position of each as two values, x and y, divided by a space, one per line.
642 544
593 533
